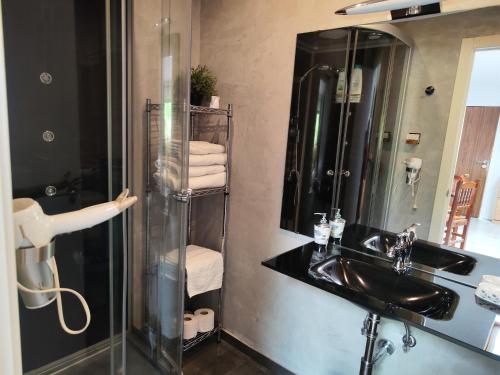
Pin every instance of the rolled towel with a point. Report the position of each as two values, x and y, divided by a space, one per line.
205 170
205 148
210 159
208 181
204 270
489 289
491 279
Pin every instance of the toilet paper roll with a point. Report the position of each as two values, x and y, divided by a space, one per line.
205 319
190 326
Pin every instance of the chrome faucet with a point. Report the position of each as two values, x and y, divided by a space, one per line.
400 251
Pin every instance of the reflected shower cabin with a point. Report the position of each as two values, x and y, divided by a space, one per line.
344 120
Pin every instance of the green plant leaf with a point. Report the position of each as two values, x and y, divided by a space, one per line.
203 81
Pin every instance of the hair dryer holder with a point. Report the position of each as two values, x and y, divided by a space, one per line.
33 272
37 274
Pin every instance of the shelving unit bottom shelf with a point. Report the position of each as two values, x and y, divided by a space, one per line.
188 344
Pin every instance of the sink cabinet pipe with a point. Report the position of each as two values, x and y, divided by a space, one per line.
369 330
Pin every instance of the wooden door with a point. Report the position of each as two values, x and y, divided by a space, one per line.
476 145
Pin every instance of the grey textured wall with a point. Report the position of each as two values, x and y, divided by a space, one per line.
251 45
434 63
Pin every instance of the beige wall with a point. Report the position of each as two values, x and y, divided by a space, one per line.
250 45
195 32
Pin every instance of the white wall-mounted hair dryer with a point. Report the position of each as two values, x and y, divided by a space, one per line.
413 167
413 175
37 275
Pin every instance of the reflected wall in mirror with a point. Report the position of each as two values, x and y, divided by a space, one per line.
432 97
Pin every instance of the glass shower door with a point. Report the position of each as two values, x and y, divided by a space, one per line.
64 92
371 125
173 184
159 258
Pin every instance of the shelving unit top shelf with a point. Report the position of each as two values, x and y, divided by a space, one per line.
211 111
207 192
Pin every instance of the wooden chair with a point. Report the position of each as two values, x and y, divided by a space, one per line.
460 212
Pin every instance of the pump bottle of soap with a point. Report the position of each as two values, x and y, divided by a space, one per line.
337 224
321 231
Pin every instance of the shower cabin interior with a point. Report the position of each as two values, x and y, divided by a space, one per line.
67 154
341 148
75 136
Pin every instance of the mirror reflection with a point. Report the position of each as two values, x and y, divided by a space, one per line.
395 124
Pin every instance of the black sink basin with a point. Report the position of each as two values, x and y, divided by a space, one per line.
425 254
396 291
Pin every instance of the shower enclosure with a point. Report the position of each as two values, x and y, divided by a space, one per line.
341 147
69 92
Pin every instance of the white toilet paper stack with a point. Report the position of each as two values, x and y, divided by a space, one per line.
190 326
205 319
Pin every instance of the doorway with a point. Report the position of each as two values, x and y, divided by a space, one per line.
472 221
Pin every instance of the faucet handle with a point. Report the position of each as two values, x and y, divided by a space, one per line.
412 228
412 232
401 237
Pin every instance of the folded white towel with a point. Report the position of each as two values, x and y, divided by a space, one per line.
208 181
194 171
489 289
205 148
205 170
202 182
204 270
210 159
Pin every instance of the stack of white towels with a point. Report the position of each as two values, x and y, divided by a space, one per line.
207 165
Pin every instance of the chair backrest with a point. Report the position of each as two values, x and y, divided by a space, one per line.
456 180
465 194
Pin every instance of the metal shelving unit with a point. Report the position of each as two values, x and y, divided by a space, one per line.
195 111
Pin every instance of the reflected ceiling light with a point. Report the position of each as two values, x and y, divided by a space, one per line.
375 35
401 9
375 6
333 34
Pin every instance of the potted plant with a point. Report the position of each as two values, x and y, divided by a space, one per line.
202 84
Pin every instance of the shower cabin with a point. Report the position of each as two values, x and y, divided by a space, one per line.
348 87
78 73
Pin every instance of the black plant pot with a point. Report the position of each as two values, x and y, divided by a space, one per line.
196 98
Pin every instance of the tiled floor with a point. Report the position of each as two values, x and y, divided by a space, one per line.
137 364
483 238
209 358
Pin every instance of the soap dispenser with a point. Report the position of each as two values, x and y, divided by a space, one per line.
321 230
337 225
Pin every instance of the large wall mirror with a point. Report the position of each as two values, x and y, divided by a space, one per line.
399 123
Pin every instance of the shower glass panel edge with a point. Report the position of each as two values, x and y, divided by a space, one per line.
175 71
158 252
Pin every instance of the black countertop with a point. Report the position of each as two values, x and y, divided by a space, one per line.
469 324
